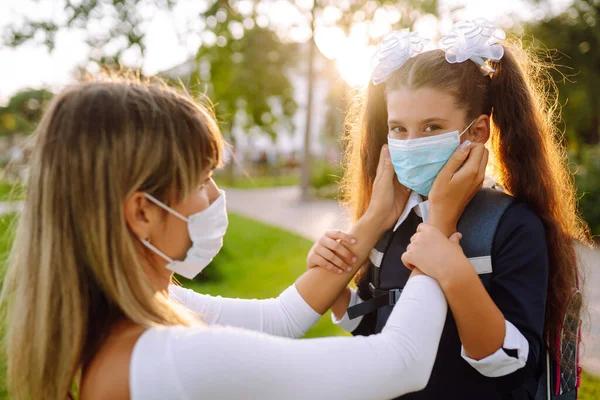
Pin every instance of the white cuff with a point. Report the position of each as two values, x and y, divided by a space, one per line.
500 363
298 307
347 324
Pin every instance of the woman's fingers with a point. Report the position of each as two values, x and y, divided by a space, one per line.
328 265
340 235
333 258
338 248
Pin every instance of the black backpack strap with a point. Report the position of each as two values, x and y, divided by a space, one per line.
478 224
480 220
377 299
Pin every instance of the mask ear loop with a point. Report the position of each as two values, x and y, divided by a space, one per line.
467 128
156 250
164 207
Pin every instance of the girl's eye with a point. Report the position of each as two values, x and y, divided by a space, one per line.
431 128
397 129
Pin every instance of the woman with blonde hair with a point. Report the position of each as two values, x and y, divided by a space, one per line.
119 197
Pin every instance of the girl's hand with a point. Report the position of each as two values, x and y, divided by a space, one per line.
389 197
454 188
434 254
331 252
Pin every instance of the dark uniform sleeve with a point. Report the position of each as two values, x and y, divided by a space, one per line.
519 285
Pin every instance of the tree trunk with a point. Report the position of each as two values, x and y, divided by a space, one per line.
230 175
306 161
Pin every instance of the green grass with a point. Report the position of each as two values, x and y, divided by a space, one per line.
11 192
590 387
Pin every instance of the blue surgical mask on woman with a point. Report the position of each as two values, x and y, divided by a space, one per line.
417 162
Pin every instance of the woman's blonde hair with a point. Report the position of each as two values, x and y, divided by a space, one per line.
75 268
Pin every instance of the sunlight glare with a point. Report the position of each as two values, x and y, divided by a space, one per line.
354 62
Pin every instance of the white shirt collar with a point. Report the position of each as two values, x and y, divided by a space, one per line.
421 207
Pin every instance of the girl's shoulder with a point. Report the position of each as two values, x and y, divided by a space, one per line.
519 218
520 236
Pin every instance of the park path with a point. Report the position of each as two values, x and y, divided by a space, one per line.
281 207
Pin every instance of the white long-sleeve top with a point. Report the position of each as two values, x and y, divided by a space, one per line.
214 362
287 315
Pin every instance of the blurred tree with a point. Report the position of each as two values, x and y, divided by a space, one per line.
572 37
125 32
23 111
244 70
120 21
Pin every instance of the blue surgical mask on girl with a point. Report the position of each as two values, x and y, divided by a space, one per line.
206 230
417 162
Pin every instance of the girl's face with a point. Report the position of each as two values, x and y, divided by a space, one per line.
425 112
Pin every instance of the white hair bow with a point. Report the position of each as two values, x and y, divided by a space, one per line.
477 41
394 50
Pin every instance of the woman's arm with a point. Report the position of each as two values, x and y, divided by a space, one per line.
231 364
299 307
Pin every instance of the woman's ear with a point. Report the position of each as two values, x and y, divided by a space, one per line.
480 130
140 214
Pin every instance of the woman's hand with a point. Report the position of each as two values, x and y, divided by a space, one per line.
434 254
331 252
388 197
454 188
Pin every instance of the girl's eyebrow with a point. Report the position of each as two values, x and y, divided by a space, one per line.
397 122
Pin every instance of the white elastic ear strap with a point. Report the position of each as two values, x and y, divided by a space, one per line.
467 128
157 251
164 207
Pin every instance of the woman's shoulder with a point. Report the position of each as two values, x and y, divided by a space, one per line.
107 375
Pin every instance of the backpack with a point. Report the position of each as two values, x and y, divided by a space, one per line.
561 375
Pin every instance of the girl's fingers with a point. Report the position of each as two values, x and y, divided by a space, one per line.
406 260
456 160
333 258
471 167
414 237
338 249
340 235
